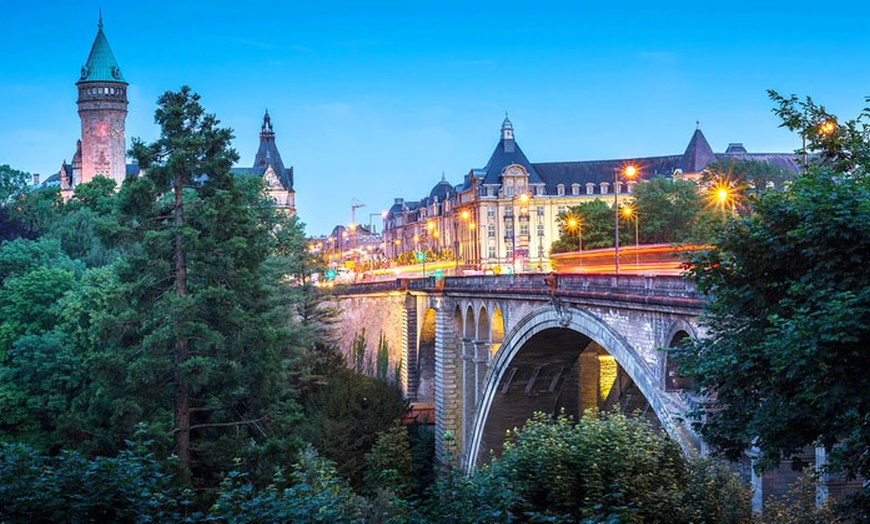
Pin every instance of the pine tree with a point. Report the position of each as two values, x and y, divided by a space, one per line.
199 331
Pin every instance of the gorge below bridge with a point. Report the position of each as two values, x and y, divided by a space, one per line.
488 351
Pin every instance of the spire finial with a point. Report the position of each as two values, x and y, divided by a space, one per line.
443 177
100 24
697 125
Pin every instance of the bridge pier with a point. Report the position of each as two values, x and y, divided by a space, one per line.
449 397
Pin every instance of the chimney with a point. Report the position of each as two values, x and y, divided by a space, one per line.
35 179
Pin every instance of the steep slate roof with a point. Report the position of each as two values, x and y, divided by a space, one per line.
443 190
101 65
597 171
698 154
507 152
268 155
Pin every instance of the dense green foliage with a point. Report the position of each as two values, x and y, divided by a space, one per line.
785 363
12 183
669 211
595 219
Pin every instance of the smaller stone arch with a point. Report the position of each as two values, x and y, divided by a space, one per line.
484 332
496 330
673 381
469 331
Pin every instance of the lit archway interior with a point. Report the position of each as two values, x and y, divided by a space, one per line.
558 369
425 390
497 330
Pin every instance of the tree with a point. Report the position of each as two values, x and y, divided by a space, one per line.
758 176
609 468
344 418
595 218
12 183
786 360
672 211
200 340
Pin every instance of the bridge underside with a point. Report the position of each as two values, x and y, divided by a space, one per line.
558 369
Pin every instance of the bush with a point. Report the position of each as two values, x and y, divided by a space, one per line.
131 487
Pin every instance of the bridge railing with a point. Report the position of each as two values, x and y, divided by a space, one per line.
670 286
539 284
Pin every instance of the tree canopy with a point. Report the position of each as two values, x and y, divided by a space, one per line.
786 360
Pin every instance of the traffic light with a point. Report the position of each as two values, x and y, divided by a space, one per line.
439 274
330 274
421 257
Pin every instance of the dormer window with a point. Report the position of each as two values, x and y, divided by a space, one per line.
575 189
560 189
605 187
590 188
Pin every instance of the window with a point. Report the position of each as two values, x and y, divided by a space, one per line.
509 231
617 186
560 189
524 229
539 190
490 231
491 251
509 191
604 187
540 230
561 209
575 189
539 211
590 188
490 211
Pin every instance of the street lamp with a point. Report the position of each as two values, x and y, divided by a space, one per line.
629 172
575 223
628 212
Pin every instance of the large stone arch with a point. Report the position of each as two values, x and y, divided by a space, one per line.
568 326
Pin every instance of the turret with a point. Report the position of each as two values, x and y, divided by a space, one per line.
102 102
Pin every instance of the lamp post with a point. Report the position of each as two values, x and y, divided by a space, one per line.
574 223
629 172
629 212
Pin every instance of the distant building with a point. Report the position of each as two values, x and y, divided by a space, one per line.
506 212
101 151
102 102
268 164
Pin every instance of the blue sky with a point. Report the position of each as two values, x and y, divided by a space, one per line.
374 100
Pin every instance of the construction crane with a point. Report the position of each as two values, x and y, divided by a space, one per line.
354 205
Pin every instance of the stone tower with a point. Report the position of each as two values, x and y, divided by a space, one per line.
102 105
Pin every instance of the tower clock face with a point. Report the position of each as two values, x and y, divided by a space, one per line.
101 130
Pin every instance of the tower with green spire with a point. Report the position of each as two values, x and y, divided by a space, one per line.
102 103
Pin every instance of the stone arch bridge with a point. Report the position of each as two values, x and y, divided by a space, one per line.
487 351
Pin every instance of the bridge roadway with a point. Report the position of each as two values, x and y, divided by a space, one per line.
488 351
